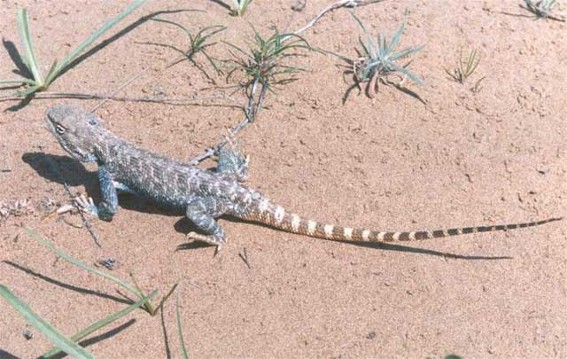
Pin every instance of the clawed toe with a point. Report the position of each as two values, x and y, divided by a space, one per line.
85 204
209 239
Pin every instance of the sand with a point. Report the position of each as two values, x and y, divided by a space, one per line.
456 158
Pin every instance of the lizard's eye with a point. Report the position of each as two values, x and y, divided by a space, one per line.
60 129
93 121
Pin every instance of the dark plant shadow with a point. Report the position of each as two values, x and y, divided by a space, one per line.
405 90
118 35
67 286
107 335
22 69
165 336
221 3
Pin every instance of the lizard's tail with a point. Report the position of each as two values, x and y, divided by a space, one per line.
277 217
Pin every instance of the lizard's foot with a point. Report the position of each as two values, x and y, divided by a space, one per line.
231 162
86 205
209 239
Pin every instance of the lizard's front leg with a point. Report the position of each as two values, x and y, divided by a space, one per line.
233 164
109 205
202 211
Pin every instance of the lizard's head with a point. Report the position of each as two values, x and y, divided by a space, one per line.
77 131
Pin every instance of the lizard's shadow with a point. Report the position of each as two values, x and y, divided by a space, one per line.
66 170
184 226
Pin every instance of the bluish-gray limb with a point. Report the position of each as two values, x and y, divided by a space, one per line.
202 211
233 164
109 204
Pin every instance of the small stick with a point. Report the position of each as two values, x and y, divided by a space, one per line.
334 6
55 168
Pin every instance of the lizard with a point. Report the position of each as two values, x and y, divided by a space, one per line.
204 194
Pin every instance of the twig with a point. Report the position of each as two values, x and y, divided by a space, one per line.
88 225
199 101
334 6
120 88
250 112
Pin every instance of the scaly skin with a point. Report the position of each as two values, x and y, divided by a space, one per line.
204 194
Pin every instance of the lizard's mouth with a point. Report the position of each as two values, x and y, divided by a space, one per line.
72 150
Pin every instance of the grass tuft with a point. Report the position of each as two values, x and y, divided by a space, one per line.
35 81
263 64
541 8
378 59
198 43
465 68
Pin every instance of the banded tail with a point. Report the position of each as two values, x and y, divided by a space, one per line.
276 216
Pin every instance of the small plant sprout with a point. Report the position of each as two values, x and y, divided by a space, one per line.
239 7
542 9
465 68
33 80
262 64
198 43
378 59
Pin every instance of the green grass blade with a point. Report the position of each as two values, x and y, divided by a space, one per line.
33 234
396 38
165 21
360 23
27 42
103 322
179 328
406 72
28 91
52 334
406 52
22 81
107 26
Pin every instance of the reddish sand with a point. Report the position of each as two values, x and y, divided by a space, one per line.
392 162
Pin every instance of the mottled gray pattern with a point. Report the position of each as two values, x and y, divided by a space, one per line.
203 194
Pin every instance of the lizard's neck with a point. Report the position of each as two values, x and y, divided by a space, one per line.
108 147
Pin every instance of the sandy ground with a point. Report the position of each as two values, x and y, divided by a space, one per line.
393 162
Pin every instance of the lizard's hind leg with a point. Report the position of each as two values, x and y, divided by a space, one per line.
202 211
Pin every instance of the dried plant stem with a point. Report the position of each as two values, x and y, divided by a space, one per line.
334 6
197 101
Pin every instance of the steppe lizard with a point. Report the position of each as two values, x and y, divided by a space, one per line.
204 195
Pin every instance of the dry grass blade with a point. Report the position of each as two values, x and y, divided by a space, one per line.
134 289
102 323
184 352
55 336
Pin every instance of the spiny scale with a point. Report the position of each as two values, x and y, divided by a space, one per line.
277 217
